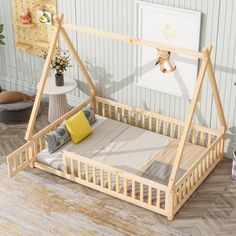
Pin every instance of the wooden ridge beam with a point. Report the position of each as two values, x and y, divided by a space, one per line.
101 33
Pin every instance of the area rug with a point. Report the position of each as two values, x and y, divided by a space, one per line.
31 204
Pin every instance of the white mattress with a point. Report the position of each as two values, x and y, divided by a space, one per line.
113 143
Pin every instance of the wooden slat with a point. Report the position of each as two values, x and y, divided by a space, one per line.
29 131
183 51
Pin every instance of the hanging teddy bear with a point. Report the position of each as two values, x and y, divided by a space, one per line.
25 17
164 61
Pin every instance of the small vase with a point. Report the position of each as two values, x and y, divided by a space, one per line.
59 79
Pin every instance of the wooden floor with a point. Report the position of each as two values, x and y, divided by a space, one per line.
38 203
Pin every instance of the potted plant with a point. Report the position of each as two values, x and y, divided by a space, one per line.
1 42
234 165
1 35
60 62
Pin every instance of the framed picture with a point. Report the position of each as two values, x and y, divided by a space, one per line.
44 17
172 26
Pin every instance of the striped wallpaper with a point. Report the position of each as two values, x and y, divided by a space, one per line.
111 63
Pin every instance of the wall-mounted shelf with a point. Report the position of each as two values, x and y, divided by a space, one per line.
17 23
42 44
23 46
33 37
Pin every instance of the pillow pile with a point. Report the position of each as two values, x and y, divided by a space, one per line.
57 138
89 113
76 128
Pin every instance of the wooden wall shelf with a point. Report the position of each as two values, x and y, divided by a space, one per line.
34 37
22 46
42 44
18 23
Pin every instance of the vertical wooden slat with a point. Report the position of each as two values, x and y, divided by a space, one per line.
109 180
125 186
201 138
141 192
86 172
172 129
196 175
143 121
164 127
133 189
102 177
110 111
94 174
117 183
40 144
157 125
150 123
194 138
122 114
130 117
136 119
149 195
79 169
72 169
103 109
20 160
158 201
209 140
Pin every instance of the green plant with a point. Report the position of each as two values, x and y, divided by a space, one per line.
1 35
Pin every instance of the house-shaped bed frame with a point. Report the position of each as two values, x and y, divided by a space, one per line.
163 199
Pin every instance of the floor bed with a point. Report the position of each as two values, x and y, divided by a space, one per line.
132 149
145 158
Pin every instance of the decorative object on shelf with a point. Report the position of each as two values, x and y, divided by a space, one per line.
164 61
1 35
44 17
25 17
60 62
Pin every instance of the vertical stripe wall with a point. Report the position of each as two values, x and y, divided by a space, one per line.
111 63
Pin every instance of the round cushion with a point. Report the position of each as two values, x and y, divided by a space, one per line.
18 112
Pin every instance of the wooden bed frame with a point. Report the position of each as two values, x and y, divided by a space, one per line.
163 199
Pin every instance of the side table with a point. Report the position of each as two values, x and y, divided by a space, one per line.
58 105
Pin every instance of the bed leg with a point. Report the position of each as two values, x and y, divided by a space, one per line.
170 217
31 165
170 204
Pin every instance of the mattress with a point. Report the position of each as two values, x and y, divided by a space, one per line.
128 148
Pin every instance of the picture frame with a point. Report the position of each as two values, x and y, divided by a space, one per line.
171 26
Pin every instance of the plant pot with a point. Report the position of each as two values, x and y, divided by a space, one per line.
234 165
59 79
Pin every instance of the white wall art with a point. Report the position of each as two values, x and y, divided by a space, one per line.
172 26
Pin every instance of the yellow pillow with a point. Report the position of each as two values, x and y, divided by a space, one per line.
78 127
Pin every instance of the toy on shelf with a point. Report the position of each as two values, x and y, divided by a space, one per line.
25 17
32 22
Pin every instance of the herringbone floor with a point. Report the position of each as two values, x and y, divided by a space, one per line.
210 211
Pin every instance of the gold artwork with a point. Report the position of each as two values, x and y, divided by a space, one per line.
169 32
